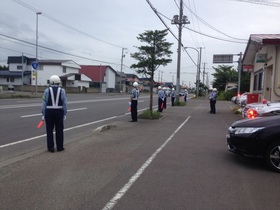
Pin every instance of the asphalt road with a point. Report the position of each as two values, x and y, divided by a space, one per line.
180 161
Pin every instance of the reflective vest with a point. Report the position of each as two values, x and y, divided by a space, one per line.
54 99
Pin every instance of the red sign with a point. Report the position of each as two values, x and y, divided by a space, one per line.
248 68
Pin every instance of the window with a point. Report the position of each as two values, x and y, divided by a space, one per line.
258 81
19 67
64 69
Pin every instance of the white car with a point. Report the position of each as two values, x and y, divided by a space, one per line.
242 99
261 109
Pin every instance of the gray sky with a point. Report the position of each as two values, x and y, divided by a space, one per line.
94 32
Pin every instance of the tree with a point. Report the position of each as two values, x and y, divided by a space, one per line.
224 74
4 67
151 56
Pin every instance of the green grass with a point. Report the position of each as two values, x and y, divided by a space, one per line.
147 114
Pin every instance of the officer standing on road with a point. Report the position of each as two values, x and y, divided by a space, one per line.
161 96
54 110
134 102
172 95
213 98
186 95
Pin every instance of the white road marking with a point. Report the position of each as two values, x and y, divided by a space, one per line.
140 171
70 110
67 129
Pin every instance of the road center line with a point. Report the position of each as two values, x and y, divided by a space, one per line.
140 171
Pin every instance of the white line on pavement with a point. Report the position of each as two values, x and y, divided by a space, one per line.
70 110
67 129
140 171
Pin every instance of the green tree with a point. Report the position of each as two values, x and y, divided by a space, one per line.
222 75
151 56
4 67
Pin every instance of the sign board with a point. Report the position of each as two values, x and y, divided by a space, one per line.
223 58
248 68
35 65
260 58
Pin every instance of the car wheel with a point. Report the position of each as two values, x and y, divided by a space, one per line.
272 156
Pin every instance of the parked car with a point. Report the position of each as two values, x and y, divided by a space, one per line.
261 109
242 99
259 138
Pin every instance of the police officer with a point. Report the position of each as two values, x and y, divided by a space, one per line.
186 95
161 96
54 110
213 98
134 102
172 95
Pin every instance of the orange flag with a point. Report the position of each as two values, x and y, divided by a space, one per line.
40 124
162 105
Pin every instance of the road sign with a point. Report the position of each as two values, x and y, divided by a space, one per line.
35 65
227 58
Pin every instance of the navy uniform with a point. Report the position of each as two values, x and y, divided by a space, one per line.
134 102
161 96
186 95
54 110
213 98
172 95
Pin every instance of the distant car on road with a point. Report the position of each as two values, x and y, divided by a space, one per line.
260 109
259 137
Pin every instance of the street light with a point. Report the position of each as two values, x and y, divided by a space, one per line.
37 13
198 68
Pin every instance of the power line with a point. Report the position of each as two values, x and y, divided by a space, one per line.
57 51
62 23
262 2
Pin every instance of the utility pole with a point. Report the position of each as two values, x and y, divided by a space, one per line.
239 72
203 75
121 68
179 20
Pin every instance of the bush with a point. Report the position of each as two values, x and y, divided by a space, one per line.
226 95
147 114
179 103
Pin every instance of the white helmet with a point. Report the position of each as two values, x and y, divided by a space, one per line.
135 84
54 79
173 89
159 87
214 89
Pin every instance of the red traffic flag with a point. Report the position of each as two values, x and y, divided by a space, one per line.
40 124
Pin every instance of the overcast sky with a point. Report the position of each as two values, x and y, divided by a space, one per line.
95 32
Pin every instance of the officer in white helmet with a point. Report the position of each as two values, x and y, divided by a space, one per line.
213 98
172 95
54 110
134 102
161 97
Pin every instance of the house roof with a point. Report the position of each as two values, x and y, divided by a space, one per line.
95 73
20 59
7 73
255 42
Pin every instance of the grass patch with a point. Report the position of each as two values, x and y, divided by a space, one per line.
236 110
147 114
179 103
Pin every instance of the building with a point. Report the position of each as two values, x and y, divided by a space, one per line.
262 60
104 75
21 72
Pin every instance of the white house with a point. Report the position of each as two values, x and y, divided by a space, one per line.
21 72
